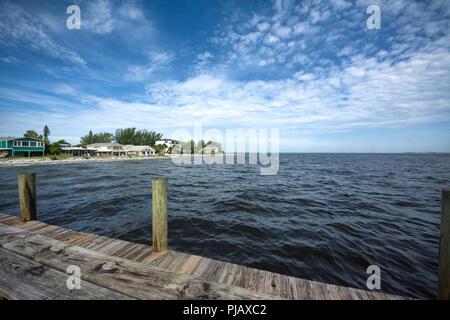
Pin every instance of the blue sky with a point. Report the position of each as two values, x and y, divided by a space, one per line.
311 69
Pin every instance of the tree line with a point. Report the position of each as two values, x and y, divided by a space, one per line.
123 136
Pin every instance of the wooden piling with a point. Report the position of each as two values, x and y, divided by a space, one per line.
443 292
159 213
27 196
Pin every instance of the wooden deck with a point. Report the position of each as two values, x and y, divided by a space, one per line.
34 257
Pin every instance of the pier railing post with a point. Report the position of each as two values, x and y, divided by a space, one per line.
27 196
444 249
159 213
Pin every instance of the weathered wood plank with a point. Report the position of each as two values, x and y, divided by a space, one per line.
87 241
6 217
145 253
134 252
45 229
10 220
112 247
33 226
227 273
92 243
22 278
80 238
172 261
214 271
124 249
114 250
190 264
130 278
104 246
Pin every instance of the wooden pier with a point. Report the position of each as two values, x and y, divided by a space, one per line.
34 258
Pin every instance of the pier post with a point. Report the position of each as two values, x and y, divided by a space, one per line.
159 213
27 196
443 292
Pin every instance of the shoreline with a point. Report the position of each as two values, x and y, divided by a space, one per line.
47 161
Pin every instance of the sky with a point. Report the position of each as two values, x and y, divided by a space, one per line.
311 69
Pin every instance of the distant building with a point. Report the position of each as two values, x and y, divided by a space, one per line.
178 149
23 147
168 142
139 150
77 151
110 148
213 147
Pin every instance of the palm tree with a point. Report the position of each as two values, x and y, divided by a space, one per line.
46 133
30 134
55 148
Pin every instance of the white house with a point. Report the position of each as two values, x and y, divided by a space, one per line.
139 150
113 149
77 151
168 142
212 148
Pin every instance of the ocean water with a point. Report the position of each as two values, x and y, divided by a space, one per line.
324 217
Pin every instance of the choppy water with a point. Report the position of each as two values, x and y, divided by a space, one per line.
324 217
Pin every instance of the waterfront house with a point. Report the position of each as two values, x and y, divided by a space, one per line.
139 150
110 148
169 143
211 148
77 151
22 147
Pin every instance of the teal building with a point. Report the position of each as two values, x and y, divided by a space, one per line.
22 147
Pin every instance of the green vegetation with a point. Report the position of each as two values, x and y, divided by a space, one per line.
159 148
54 148
136 137
30 134
123 136
102 137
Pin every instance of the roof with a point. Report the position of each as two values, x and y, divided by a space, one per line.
75 149
212 146
11 138
104 144
137 148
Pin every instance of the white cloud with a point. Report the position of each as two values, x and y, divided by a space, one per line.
131 11
341 4
105 17
99 17
20 28
156 61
